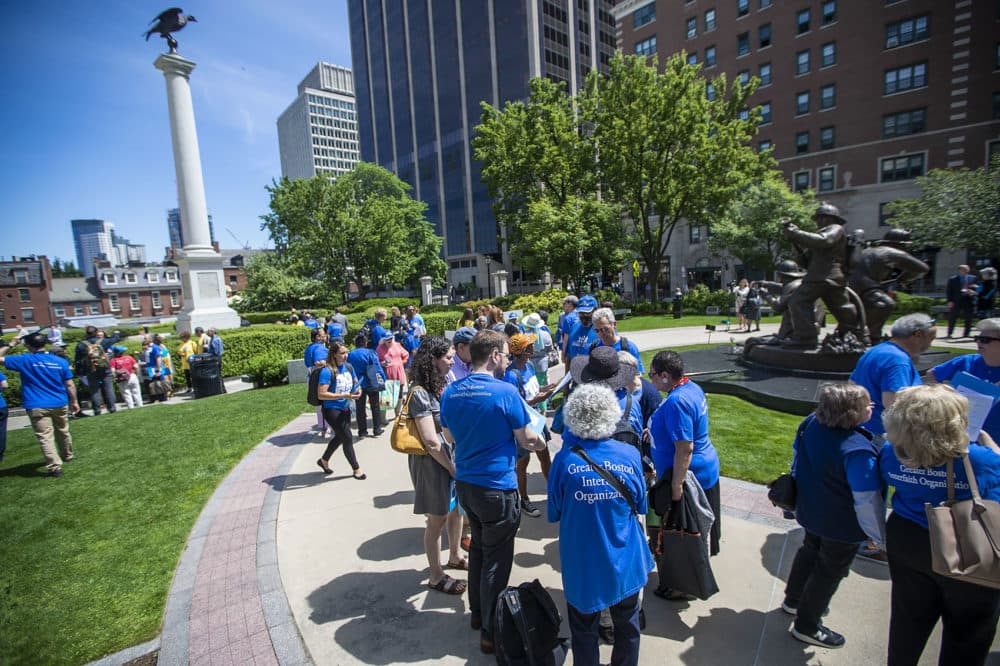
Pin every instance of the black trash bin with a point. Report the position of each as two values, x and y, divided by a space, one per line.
206 375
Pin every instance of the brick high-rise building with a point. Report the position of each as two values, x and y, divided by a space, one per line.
859 97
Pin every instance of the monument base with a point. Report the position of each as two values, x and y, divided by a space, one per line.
205 302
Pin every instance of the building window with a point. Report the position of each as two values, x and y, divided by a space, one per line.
764 74
884 215
829 11
113 303
764 35
646 47
827 177
152 277
20 276
78 310
742 7
764 145
692 27
802 142
800 181
802 21
171 276
743 44
27 315
910 77
827 137
59 310
828 54
996 105
906 32
710 92
157 303
694 235
903 123
109 278
904 167
644 15
710 20
802 62
692 58
24 295
130 278
133 301
828 96
764 4
802 103
744 77
175 299
765 113
710 56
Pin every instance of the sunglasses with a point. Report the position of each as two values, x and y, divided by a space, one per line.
985 339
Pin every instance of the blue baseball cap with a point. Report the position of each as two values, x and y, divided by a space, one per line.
586 304
464 334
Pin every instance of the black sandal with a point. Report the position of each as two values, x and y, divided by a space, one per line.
323 466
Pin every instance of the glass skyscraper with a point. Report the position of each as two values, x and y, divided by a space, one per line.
421 69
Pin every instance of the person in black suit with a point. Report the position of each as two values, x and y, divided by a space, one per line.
961 294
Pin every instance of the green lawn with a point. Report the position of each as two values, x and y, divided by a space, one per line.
88 558
646 322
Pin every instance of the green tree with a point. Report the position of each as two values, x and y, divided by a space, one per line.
672 146
539 167
273 285
957 209
750 230
62 269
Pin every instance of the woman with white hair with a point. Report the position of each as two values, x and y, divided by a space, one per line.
984 365
927 428
603 553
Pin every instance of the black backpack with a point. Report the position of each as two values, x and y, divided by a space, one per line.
312 397
366 332
526 627
623 429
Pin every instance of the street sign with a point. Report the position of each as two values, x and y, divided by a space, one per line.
635 268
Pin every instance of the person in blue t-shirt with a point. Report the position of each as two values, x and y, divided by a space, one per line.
984 365
679 434
889 366
568 318
315 358
338 386
582 334
3 416
839 504
486 420
926 428
415 322
604 557
606 329
46 388
335 330
366 365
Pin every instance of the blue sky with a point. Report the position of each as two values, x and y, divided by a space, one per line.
85 117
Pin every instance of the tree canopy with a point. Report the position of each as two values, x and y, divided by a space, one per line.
750 230
957 209
272 285
364 226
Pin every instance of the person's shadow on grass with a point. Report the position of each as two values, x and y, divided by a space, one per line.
27 470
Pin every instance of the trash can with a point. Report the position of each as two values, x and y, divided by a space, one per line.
206 375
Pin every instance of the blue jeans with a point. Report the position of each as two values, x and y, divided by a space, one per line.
585 639
494 516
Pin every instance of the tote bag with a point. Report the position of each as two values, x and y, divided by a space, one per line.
964 535
404 436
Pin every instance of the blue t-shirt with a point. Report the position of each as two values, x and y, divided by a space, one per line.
518 378
3 402
335 330
603 552
317 351
361 359
567 322
417 325
346 383
580 339
629 347
375 333
482 414
884 367
683 416
914 487
43 379
975 366
311 323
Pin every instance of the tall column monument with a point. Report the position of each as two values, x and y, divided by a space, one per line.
201 272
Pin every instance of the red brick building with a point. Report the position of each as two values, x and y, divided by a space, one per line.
24 292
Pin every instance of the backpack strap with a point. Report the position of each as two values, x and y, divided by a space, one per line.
612 480
512 599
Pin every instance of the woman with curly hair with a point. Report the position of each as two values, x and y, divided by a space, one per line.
433 475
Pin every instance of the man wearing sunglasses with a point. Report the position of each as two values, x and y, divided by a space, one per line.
985 365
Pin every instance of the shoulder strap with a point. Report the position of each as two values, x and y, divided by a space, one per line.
406 404
513 602
971 477
610 478
628 406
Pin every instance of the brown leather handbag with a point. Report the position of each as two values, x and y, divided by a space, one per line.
965 535
404 436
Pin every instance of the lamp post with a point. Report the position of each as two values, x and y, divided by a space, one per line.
489 278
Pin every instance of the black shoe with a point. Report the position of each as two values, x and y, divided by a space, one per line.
379 431
607 634
822 637
528 508
54 473
362 435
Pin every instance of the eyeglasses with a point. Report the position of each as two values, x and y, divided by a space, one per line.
985 339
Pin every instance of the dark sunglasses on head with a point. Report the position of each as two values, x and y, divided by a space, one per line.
985 339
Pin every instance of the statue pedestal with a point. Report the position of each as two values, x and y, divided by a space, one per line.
200 265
